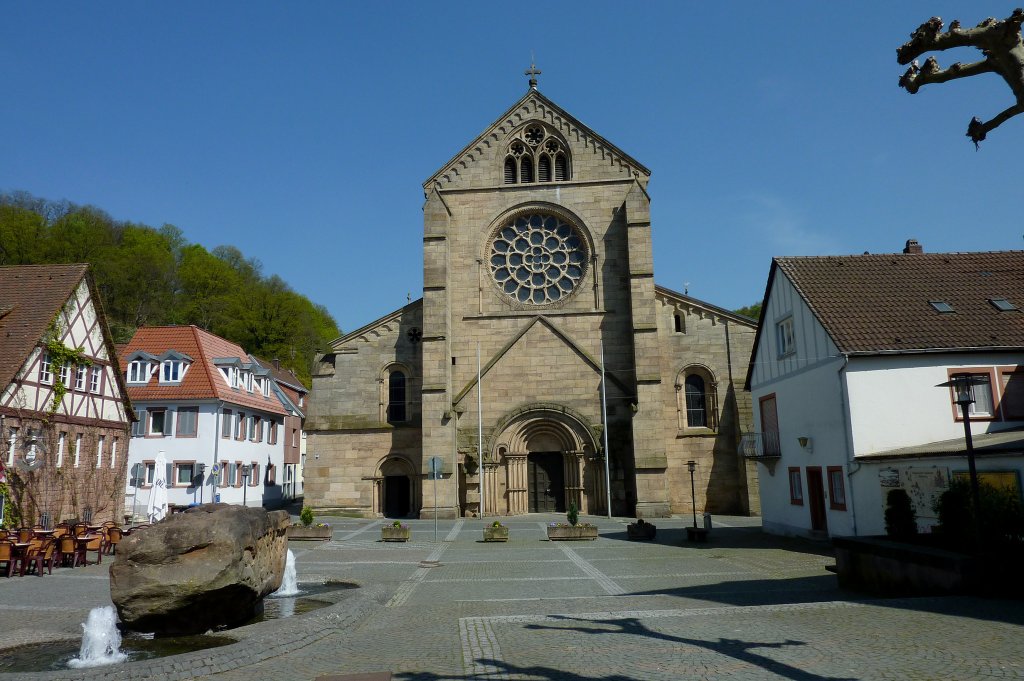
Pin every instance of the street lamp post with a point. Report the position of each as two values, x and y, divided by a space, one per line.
692 466
963 387
246 469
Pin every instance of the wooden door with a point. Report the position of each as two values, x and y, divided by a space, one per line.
816 499
546 482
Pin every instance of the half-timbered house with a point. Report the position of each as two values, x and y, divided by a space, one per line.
64 411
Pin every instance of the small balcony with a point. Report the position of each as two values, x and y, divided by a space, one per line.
761 446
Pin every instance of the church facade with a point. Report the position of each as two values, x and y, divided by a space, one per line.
537 280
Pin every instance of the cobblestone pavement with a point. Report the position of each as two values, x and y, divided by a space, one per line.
744 606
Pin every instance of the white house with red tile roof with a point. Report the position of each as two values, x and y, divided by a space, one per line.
845 379
214 412
294 397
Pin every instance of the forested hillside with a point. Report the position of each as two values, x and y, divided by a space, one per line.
150 276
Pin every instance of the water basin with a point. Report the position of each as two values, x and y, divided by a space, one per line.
55 655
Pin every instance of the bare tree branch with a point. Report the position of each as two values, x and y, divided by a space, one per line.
1000 42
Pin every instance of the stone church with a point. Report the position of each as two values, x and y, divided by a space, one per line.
537 277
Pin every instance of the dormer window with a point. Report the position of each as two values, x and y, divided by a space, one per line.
247 376
173 370
138 371
266 387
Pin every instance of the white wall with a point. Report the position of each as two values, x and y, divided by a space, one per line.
208 447
894 401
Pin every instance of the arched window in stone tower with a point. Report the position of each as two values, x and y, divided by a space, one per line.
535 147
396 397
697 398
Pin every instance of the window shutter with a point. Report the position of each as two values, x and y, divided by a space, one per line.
139 427
169 474
510 170
561 168
526 170
544 169
168 423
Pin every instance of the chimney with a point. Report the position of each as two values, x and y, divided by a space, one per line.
912 247
277 362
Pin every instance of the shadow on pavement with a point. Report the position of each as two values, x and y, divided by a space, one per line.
736 649
730 538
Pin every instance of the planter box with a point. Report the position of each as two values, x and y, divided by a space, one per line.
882 565
495 533
392 533
638 531
572 532
311 532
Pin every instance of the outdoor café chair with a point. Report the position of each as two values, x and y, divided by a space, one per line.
8 555
24 535
93 543
81 528
68 550
39 558
113 539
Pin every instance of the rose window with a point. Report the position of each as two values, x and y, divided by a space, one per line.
538 259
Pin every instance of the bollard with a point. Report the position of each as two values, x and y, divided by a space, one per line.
707 521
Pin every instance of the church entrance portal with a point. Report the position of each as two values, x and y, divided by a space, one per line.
396 496
546 482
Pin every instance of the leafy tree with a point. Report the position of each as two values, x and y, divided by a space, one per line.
150 276
752 311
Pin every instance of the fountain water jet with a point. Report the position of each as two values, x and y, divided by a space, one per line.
101 641
289 583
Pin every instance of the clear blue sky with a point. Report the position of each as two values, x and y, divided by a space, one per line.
301 132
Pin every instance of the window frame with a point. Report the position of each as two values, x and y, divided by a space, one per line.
100 441
148 473
836 494
991 372
271 431
180 466
80 371
785 344
140 369
195 422
1006 374
151 413
240 427
46 369
65 375
796 492
96 379
226 423
172 371
254 474
256 428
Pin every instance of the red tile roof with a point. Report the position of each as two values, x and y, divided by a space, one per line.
30 298
203 380
880 303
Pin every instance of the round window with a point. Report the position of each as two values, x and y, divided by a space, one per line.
538 259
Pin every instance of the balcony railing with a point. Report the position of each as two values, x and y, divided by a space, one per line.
760 445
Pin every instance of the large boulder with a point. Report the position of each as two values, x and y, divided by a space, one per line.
208 567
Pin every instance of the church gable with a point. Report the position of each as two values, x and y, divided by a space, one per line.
535 141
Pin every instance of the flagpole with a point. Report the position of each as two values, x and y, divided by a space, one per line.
480 426
604 420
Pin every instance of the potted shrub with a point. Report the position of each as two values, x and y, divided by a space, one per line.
307 530
573 530
495 532
396 531
641 529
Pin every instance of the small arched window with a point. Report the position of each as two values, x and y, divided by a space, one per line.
697 399
511 175
561 168
544 169
696 402
396 397
526 170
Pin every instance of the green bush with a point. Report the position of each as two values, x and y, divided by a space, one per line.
1001 517
900 520
573 516
306 516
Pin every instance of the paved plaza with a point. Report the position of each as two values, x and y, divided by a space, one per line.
744 606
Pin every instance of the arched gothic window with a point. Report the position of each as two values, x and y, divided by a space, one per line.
697 399
536 148
396 397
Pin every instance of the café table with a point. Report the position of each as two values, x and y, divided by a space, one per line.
83 541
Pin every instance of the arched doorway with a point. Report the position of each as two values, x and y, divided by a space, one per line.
541 458
396 488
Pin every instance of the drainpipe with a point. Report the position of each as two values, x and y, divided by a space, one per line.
850 462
